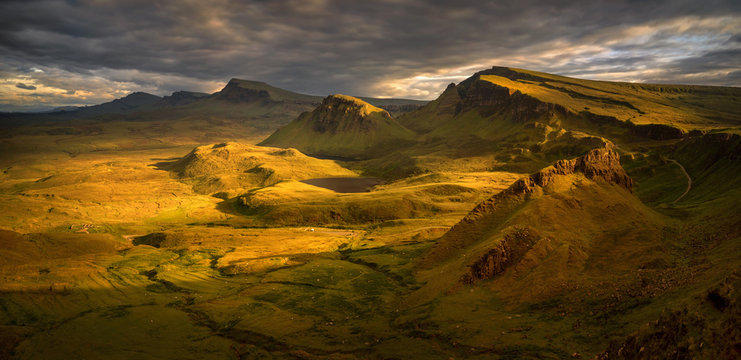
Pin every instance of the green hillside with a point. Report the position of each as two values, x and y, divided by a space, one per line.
575 251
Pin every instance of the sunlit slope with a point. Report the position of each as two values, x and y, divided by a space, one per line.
341 126
519 120
234 166
596 107
687 107
572 243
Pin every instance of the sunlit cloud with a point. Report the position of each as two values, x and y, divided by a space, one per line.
641 53
94 51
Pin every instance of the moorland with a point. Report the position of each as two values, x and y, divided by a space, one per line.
518 215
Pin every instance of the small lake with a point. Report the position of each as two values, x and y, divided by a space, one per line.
345 184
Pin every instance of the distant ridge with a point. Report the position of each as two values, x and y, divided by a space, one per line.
237 90
266 106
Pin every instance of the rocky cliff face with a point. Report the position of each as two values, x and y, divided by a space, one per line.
340 113
490 99
518 106
508 252
448 102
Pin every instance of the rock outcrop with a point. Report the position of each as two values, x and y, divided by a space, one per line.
657 131
342 113
508 252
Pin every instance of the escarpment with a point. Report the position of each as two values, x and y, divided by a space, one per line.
511 103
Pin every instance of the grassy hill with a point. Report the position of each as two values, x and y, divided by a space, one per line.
233 167
571 245
341 126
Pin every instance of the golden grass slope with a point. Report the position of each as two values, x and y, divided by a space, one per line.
235 167
569 222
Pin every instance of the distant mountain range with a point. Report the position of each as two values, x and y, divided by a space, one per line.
239 100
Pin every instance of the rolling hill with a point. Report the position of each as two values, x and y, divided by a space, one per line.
233 167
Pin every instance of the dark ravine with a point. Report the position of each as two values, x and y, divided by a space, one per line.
345 184
508 252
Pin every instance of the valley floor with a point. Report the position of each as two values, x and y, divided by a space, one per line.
105 254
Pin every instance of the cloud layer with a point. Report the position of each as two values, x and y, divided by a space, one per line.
90 51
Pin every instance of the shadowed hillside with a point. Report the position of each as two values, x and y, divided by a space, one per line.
570 209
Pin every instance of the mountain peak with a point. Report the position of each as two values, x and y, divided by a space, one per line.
341 113
137 99
246 83
239 90
340 126
140 95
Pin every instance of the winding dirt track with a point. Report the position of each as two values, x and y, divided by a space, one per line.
689 180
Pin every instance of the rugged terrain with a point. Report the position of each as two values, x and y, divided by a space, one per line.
519 215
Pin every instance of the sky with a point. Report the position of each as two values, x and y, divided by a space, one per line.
80 52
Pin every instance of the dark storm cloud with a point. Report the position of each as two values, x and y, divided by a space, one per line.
25 87
393 47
